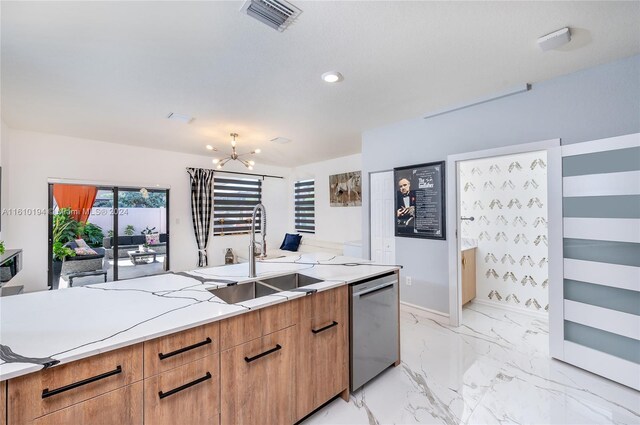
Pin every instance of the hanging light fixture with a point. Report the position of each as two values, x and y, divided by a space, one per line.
234 155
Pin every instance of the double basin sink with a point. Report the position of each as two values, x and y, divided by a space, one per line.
261 287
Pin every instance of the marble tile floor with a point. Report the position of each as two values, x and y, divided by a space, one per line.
494 369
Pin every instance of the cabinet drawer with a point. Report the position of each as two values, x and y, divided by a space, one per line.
40 393
255 324
188 394
119 407
258 380
171 351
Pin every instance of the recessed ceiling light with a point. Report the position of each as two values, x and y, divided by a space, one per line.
281 140
211 148
180 117
332 77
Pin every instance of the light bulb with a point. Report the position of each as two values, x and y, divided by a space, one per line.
215 160
233 143
219 166
252 163
250 167
257 151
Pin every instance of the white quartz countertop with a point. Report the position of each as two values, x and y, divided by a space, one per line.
40 328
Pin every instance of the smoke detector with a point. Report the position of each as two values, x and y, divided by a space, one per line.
277 14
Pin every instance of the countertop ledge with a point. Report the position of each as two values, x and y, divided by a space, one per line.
71 324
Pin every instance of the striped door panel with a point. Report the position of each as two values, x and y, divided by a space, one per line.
601 251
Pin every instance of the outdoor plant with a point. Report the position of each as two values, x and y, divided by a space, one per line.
64 227
1 247
148 231
91 233
129 230
110 233
60 252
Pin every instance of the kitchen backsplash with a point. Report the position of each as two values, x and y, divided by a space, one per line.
507 196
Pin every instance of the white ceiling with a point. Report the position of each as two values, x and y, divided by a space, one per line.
112 71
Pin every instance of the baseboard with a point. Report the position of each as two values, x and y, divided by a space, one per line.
536 314
438 316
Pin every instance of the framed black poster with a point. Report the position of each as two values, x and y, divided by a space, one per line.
420 201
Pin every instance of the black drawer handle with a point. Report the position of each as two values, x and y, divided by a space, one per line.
256 357
184 387
317 331
46 393
183 349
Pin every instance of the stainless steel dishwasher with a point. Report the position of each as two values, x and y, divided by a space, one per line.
374 327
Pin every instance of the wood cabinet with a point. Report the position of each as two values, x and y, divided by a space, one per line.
257 380
38 394
255 324
468 275
168 352
118 407
269 366
3 403
188 394
322 362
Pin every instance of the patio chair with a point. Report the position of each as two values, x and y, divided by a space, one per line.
82 265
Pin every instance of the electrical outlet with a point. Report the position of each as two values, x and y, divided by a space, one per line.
408 280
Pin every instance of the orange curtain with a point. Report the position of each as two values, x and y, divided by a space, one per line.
79 198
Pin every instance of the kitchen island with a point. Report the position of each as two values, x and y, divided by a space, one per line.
173 312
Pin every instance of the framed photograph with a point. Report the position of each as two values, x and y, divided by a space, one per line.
420 201
345 190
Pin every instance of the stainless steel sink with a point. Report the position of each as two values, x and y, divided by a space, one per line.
289 281
261 287
243 292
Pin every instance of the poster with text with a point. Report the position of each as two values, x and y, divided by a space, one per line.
420 201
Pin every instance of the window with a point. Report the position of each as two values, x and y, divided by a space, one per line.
233 202
305 210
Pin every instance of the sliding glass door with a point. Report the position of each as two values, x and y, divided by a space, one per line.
142 232
99 234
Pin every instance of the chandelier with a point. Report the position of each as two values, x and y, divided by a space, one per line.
234 155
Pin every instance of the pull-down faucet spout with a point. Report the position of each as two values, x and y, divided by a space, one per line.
252 243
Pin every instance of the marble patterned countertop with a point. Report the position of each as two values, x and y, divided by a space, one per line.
41 329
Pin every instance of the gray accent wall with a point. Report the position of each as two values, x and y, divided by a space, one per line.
591 104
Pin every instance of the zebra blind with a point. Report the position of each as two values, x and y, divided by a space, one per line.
601 209
233 202
305 210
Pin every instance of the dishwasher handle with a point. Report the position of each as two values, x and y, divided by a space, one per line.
375 289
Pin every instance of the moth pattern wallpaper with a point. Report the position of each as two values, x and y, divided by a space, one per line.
507 197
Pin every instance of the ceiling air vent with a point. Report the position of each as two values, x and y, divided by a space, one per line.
277 14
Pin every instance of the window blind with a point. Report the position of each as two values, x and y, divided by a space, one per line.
305 213
233 202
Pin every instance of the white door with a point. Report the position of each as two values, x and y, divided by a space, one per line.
383 243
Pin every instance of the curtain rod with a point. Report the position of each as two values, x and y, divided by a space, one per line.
244 174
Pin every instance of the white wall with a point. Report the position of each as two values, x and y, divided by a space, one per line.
590 104
33 158
510 229
334 224
4 143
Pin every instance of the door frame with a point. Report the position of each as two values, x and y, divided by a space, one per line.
554 206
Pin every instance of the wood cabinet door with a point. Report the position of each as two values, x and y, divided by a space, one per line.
3 403
188 394
323 357
468 275
257 380
119 407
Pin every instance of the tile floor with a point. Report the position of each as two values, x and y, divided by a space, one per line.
494 369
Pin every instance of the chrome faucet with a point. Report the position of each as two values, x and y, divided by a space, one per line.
252 243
